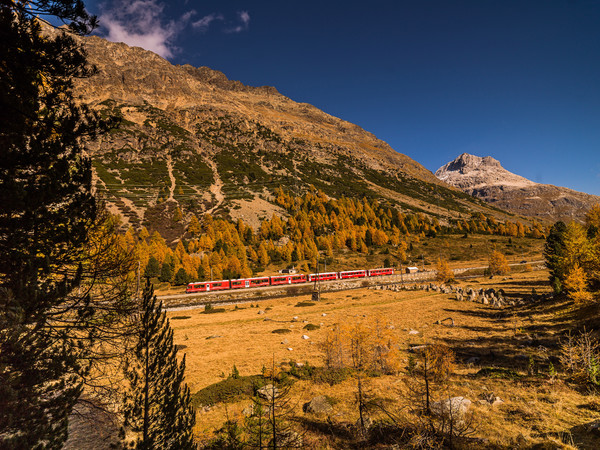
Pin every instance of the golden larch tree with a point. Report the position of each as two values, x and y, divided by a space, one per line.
444 273
498 264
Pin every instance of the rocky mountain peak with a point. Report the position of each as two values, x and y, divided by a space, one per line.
467 162
485 178
220 80
470 171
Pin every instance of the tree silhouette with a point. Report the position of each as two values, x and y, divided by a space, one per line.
48 318
554 252
158 404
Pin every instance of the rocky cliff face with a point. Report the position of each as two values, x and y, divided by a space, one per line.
486 179
192 139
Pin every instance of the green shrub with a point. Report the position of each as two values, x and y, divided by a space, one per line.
210 309
300 304
497 372
228 391
304 372
281 331
331 376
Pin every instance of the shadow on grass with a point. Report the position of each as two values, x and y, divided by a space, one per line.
510 336
343 432
580 436
525 283
347 435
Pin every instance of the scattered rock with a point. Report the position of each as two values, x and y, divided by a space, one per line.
214 336
285 342
305 336
290 349
455 407
268 392
261 312
417 348
441 322
317 405
413 332
488 398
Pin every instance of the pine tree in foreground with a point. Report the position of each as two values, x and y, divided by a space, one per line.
48 319
158 405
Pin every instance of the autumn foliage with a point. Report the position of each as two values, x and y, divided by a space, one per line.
572 254
316 228
366 345
498 264
444 273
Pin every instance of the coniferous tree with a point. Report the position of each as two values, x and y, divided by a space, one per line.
152 268
166 272
498 265
443 271
270 424
158 405
46 213
181 277
554 252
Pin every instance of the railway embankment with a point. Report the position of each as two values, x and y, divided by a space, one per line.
175 301
200 299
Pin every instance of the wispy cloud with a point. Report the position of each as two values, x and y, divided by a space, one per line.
243 25
204 23
141 23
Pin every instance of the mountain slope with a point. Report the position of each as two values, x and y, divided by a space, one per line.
486 179
191 138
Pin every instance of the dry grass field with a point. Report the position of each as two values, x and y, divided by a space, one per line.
537 409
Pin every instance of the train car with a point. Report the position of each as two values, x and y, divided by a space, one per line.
219 285
238 284
206 286
323 276
298 278
256 282
196 287
353 274
277 280
378 272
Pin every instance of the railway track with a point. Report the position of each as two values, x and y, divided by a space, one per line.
197 300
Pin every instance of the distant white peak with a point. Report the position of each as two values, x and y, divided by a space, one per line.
479 171
466 162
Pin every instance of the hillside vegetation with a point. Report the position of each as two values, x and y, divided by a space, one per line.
189 138
316 229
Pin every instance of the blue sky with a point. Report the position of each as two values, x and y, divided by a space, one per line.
515 79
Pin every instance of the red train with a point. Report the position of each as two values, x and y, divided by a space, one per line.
276 280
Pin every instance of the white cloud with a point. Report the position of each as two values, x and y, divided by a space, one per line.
244 18
203 24
140 23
